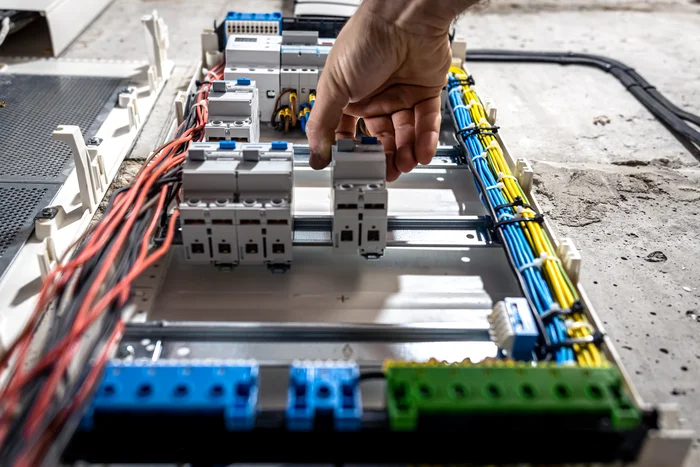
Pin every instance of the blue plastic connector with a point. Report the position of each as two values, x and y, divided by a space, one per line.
227 145
253 23
279 145
243 81
176 388
324 389
524 328
369 140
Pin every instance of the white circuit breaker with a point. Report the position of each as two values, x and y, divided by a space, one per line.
359 197
237 203
233 112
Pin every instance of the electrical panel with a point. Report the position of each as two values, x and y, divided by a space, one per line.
237 203
359 197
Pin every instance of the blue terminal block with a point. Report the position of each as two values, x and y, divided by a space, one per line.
324 389
243 81
254 23
369 140
524 328
172 388
279 145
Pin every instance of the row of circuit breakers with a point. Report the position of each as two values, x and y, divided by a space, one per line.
238 201
238 193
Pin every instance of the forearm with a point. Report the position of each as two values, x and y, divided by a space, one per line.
427 17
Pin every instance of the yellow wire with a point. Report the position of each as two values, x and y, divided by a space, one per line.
562 289
293 106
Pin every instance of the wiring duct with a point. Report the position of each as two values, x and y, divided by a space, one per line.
566 333
87 296
676 119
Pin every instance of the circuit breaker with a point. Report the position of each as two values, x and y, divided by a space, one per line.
359 197
237 203
233 111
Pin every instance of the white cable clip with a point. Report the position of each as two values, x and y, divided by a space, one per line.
493 145
460 106
537 262
474 102
502 175
573 325
483 156
504 216
457 89
522 209
497 185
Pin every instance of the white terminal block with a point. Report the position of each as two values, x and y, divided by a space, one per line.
267 80
247 50
237 205
359 197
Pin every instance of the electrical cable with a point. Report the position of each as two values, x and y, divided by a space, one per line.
665 111
544 280
89 290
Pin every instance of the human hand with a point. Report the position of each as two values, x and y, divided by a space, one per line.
388 66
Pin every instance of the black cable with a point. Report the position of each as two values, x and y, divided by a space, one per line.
669 114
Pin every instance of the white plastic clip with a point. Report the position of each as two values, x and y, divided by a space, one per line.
45 228
497 185
524 172
158 41
47 257
538 262
71 135
502 175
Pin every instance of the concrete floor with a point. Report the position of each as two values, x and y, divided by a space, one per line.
609 175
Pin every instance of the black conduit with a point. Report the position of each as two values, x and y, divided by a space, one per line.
675 118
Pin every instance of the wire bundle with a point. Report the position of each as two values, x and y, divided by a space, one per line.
88 295
286 117
566 331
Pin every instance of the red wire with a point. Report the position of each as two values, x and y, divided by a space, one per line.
129 202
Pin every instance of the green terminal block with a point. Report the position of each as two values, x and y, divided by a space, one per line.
416 390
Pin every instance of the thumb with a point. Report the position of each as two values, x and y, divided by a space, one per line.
331 99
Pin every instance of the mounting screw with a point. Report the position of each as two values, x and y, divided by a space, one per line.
126 351
94 141
46 214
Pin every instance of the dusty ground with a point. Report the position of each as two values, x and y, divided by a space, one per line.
608 174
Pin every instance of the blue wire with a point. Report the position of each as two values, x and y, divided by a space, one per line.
513 234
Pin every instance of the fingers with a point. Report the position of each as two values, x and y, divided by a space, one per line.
331 99
383 128
392 99
346 127
428 119
405 130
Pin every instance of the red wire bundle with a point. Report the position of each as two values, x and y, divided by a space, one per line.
118 221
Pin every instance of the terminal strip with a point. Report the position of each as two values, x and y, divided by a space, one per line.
172 388
237 205
359 197
324 390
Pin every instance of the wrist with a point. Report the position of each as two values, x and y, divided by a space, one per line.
425 17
